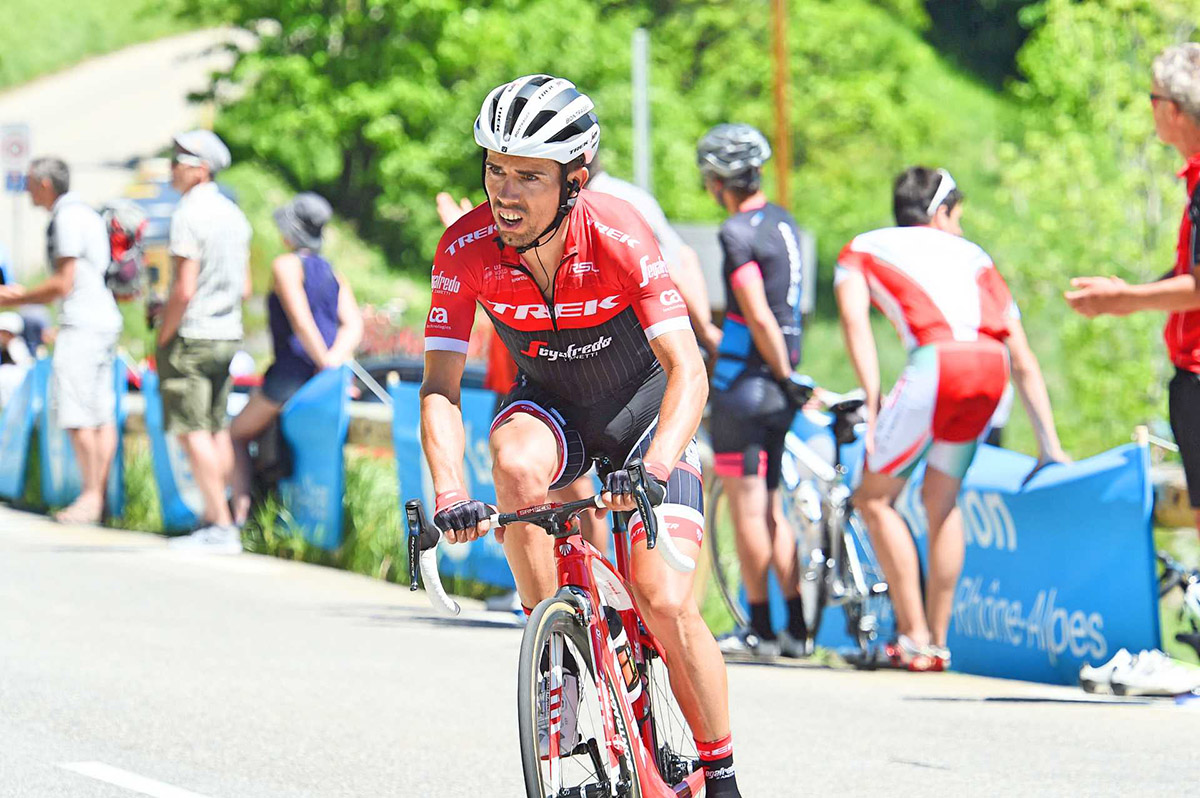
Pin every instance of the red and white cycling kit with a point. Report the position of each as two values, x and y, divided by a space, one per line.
586 368
951 308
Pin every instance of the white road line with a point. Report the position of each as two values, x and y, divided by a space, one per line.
130 781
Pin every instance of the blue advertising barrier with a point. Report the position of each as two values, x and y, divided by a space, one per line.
61 479
180 499
1059 572
482 561
314 422
16 433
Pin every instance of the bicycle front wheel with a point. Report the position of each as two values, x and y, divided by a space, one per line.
557 694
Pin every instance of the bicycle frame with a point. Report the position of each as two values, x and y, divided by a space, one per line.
590 582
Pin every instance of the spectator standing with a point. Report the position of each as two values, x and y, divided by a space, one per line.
956 317
315 324
756 392
1175 104
89 326
201 328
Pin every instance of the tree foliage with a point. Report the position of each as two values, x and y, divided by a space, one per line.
372 102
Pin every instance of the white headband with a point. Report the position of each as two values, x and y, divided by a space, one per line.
945 186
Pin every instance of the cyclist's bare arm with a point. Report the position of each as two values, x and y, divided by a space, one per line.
1027 375
764 328
443 437
854 308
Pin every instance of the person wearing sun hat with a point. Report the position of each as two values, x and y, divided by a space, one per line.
315 324
201 327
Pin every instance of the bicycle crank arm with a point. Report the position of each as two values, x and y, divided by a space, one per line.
423 538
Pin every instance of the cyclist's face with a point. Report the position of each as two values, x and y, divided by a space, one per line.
524 195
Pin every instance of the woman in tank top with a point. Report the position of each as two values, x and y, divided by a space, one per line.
315 324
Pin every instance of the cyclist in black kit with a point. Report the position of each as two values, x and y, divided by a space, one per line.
755 391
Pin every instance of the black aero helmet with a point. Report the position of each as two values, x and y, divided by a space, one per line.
734 153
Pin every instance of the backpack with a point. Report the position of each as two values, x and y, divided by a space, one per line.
126 224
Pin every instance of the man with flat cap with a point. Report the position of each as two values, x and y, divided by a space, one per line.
201 328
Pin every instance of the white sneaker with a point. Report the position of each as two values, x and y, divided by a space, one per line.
1153 673
794 647
212 539
568 732
747 643
1098 678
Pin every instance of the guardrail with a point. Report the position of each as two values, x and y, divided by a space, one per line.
371 428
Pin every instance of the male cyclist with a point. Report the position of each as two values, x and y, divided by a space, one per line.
609 367
756 391
956 316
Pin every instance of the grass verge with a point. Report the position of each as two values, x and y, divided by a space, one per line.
43 36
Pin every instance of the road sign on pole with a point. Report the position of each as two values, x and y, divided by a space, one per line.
14 152
14 162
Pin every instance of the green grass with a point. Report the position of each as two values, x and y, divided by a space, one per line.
41 36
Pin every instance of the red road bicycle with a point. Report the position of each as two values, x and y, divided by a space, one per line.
587 642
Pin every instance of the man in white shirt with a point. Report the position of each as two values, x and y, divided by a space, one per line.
89 326
201 328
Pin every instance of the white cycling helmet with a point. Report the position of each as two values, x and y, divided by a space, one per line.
539 116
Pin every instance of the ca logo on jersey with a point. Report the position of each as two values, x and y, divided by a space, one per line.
439 316
670 298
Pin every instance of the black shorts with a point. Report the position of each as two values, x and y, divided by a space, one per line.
279 385
613 432
749 425
1184 404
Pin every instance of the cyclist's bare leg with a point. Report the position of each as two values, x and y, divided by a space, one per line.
595 530
897 553
670 611
748 506
946 549
783 546
524 460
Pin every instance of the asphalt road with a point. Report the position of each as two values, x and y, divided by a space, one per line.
122 663
101 114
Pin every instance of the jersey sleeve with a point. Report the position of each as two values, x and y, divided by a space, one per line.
655 299
452 304
850 262
996 303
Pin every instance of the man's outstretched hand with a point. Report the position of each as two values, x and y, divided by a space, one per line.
449 210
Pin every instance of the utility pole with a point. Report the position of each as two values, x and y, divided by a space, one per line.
642 175
783 150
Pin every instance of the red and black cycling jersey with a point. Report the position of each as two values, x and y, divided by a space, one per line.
610 296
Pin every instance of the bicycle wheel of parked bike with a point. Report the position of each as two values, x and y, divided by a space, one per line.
583 766
720 539
674 746
812 551
869 611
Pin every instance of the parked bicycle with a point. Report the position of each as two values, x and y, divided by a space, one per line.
837 565
596 714
1176 576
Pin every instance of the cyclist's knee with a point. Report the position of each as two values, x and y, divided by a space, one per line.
522 466
666 603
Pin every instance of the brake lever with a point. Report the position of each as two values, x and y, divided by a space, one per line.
423 538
